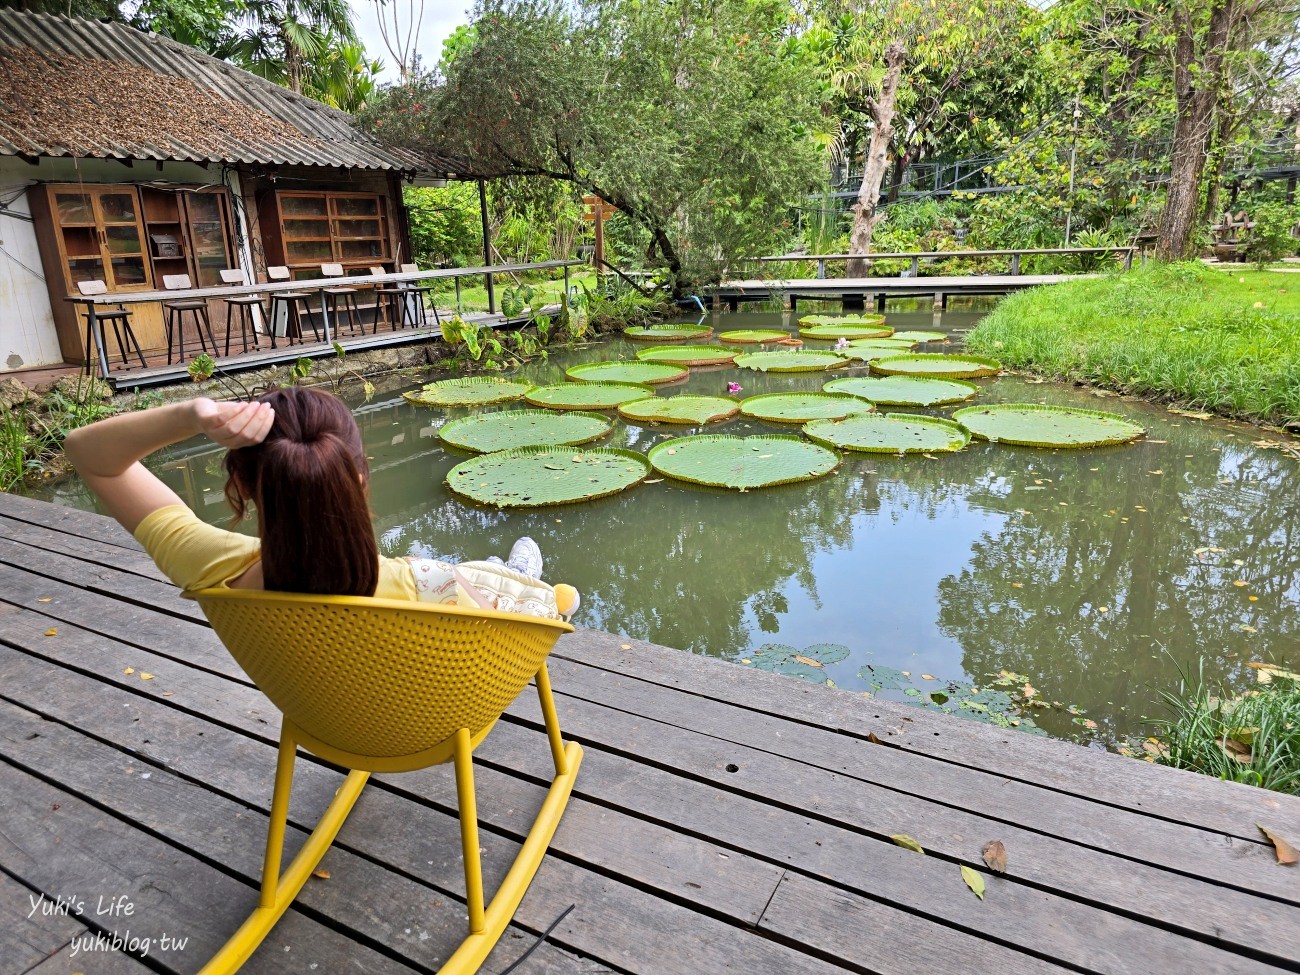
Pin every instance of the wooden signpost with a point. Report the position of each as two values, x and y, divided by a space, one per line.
598 210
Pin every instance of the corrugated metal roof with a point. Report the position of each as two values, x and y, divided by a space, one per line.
72 87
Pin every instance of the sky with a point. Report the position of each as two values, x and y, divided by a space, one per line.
440 18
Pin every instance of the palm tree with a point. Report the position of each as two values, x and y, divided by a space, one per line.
280 38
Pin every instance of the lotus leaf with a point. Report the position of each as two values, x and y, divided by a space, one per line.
808 663
679 409
937 364
893 342
905 390
795 360
742 462
865 353
627 372
892 433
802 407
689 355
507 429
530 477
841 320
468 391
753 336
667 333
587 396
846 331
922 335
1036 425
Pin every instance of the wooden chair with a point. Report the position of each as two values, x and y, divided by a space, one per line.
244 305
347 297
120 319
422 290
175 310
294 304
377 685
397 299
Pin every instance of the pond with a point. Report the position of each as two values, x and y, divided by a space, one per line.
1093 575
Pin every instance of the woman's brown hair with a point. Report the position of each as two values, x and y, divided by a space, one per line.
308 480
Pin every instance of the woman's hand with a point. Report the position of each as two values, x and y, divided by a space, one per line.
234 425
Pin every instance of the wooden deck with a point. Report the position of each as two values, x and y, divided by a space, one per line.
724 820
856 291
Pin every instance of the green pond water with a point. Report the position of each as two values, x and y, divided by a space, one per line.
1095 574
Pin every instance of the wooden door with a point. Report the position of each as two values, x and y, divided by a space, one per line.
122 240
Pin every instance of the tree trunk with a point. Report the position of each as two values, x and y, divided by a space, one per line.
1196 91
882 114
1218 156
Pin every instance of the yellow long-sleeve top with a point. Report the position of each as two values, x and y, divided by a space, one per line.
195 555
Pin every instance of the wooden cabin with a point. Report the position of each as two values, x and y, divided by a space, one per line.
128 157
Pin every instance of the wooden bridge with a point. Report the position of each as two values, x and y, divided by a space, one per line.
724 821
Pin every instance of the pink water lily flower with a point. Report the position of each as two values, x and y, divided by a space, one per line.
843 343
734 388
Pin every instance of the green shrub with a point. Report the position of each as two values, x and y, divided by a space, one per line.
1270 239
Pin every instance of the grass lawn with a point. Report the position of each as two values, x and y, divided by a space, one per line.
1221 340
473 292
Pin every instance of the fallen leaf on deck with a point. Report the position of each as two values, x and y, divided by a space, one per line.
46 599
168 693
322 874
871 737
907 843
973 880
144 676
995 855
808 660
1286 853
51 632
625 646
129 671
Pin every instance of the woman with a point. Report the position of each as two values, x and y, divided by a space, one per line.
295 456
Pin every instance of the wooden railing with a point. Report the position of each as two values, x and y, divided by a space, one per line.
916 257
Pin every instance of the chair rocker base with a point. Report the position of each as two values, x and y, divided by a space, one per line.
496 917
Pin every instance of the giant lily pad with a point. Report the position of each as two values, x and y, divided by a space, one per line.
892 342
892 433
468 391
679 409
859 353
795 360
937 364
507 429
905 390
742 462
587 396
753 336
1036 425
530 477
627 372
802 407
855 320
808 664
922 335
689 355
667 333
843 331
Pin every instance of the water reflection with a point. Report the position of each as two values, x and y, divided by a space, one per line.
1094 573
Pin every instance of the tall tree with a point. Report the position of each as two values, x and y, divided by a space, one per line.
694 117
278 39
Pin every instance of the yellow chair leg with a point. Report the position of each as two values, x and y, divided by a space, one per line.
551 718
278 891
469 830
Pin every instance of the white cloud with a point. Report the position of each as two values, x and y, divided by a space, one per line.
438 20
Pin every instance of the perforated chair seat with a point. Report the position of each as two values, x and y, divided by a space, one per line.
381 685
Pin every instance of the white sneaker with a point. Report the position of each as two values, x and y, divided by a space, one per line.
526 557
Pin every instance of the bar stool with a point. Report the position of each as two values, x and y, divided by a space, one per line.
345 296
421 290
121 319
198 309
244 305
398 297
295 307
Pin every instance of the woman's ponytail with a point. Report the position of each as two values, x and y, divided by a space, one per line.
309 480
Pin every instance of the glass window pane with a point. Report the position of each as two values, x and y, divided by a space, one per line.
306 228
209 271
302 206
355 206
123 240
80 242
127 271
303 251
351 250
74 208
356 228
117 207
204 206
85 269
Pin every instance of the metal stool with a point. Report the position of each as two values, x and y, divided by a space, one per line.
295 308
347 297
421 290
198 309
120 318
244 305
397 300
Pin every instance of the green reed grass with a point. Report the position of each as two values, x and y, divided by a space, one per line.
1225 341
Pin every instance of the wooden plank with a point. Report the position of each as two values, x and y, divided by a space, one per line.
1168 793
29 934
72 521
1173 846
1072 933
57 843
1181 903
84 549
403 915
69 961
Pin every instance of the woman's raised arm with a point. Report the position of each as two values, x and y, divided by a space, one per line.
107 454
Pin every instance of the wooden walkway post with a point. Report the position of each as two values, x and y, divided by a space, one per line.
487 245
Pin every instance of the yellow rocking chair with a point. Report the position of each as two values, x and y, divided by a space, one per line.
379 685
